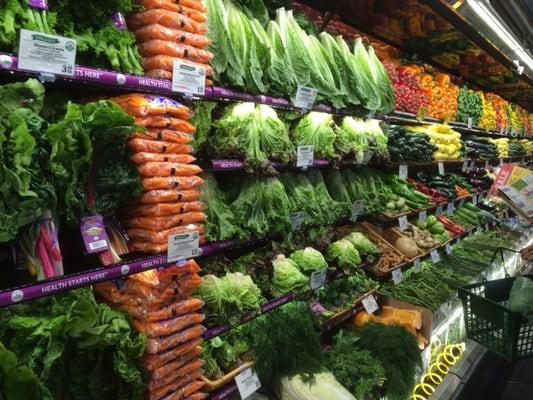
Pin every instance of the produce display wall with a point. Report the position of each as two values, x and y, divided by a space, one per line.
322 218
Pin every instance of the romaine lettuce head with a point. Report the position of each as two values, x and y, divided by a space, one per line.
344 254
362 244
286 276
309 260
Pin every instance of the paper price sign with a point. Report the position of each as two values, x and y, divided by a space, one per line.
416 265
474 199
422 216
448 248
479 229
188 78
305 97
247 383
435 256
182 246
297 218
438 211
480 197
450 208
403 223
41 52
501 162
441 168
357 209
367 156
305 156
462 202
397 276
370 304
458 240
486 164
318 279
465 166
403 171
469 123
472 164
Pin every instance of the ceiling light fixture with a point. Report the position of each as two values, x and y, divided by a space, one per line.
503 33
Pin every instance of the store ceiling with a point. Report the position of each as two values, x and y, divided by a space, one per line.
438 35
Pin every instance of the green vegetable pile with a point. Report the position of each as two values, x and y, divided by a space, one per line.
99 42
287 277
413 198
435 228
469 105
408 146
469 215
262 56
77 348
316 129
341 293
343 254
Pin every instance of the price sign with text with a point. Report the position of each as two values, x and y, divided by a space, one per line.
397 276
403 171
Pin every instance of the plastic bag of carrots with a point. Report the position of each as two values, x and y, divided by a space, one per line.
158 121
169 326
166 275
166 135
166 222
163 209
167 18
142 105
159 344
160 32
157 47
182 380
192 10
161 236
186 390
137 145
143 158
154 361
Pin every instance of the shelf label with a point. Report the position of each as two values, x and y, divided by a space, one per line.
421 114
370 304
182 246
41 52
357 209
448 248
94 234
403 171
397 276
480 197
474 199
472 164
318 279
465 166
469 123
462 202
435 256
438 211
458 240
416 265
367 156
422 216
403 223
486 164
450 208
247 383
188 78
479 229
305 156
441 168
487 227
501 130
305 97
297 218
501 162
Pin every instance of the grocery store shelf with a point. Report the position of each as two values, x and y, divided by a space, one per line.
120 81
455 164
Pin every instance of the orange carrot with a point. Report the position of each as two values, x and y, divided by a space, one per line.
166 63
166 122
170 195
169 326
164 169
158 146
166 222
192 13
159 210
166 18
173 49
142 158
157 345
142 105
161 236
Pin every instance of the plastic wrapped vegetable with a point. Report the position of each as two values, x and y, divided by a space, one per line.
362 244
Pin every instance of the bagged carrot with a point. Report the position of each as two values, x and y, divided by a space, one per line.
142 105
160 344
157 146
161 236
168 368
157 121
164 277
166 18
192 13
166 222
156 31
155 248
165 169
154 361
188 368
173 182
167 135
157 210
173 386
143 158
185 391
173 49
169 195
198 396
169 326
195 4
177 308
135 293
166 63
159 73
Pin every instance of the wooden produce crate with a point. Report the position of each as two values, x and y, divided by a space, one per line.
391 235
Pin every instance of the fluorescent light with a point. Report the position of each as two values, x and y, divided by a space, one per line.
503 33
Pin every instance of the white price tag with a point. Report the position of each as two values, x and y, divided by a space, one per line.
474 199
422 216
480 197
403 223
472 164
367 156
462 202
182 246
357 209
458 240
441 168
247 383
397 276
296 219
479 229
448 248
416 265
435 256
41 52
318 279
305 156
450 208
486 164
465 166
501 130
469 123
188 78
370 304
501 162
403 171
305 97
438 211
486 227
